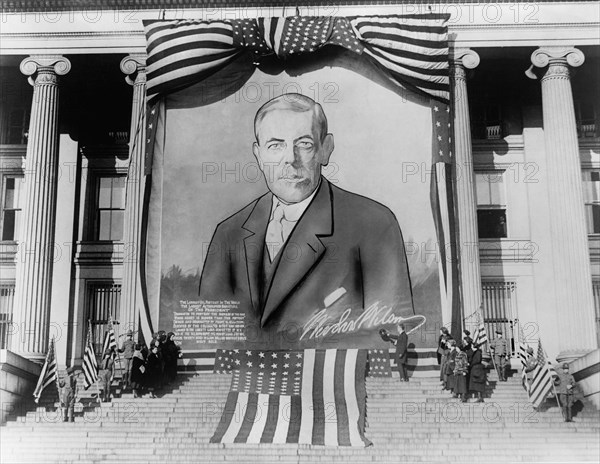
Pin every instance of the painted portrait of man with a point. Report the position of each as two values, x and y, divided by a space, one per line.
307 252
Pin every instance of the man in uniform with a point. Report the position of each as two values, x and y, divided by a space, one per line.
564 387
66 396
127 350
499 347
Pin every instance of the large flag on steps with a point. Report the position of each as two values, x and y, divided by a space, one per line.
311 397
49 373
542 381
90 364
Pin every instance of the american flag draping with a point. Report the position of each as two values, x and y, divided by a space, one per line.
379 363
308 397
411 49
542 382
109 347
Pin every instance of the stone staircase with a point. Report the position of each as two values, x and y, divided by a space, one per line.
407 422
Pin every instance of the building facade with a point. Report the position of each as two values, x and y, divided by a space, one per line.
527 167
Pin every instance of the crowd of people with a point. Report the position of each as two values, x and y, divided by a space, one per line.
461 366
145 369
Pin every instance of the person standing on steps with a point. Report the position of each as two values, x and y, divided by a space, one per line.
499 348
531 363
461 368
565 384
477 378
138 369
66 395
400 341
127 350
450 364
153 371
106 374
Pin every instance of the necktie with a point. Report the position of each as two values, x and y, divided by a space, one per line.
274 237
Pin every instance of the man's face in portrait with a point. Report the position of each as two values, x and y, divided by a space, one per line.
290 151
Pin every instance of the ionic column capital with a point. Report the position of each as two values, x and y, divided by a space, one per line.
44 68
134 66
545 56
463 59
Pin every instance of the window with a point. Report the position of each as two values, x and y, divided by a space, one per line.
491 204
12 193
15 107
486 121
591 197
7 296
585 118
110 208
103 300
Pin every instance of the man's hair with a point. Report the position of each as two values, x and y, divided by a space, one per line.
401 326
297 103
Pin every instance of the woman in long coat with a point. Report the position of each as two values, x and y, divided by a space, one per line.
449 365
153 371
477 379
461 369
138 369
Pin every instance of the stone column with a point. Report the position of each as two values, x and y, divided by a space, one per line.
31 313
574 306
464 184
134 66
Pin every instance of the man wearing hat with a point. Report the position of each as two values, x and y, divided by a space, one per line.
499 347
67 391
127 349
564 383
400 341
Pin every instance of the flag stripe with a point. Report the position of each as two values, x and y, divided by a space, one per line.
318 426
354 415
296 417
306 395
339 374
272 433
260 418
249 418
330 422
226 417
234 425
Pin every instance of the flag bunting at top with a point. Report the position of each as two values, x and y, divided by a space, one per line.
411 49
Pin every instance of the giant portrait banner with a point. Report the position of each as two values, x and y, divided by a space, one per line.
297 196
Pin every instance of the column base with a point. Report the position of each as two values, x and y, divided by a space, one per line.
18 377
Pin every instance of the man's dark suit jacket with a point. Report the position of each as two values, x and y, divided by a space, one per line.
342 240
401 342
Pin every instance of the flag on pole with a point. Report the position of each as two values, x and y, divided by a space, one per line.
480 337
90 365
541 383
312 397
110 341
523 360
49 373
